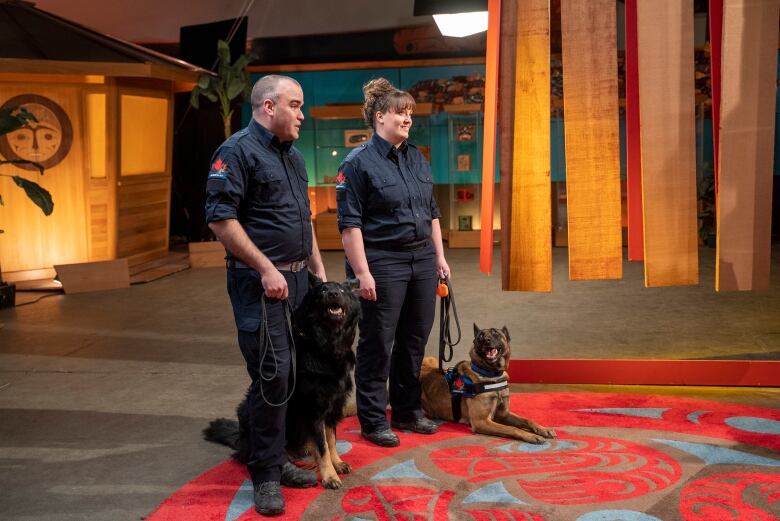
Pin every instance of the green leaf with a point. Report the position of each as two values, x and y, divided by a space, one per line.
195 98
241 62
10 121
203 81
37 166
223 52
37 194
211 96
235 88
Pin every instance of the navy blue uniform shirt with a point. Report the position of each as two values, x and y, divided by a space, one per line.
261 182
387 193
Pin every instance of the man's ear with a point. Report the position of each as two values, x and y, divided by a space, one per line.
314 281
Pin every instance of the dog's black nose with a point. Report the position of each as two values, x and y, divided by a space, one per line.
334 293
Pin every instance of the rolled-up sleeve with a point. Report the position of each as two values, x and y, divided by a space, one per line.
435 213
226 185
350 196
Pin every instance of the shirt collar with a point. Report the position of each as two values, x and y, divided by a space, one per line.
384 147
267 138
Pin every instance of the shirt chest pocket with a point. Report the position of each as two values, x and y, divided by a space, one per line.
422 172
268 184
388 193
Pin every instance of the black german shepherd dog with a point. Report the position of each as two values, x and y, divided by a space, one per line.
324 329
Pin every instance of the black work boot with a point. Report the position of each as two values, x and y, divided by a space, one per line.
268 498
296 477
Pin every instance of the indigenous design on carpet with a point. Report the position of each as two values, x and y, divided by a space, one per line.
617 458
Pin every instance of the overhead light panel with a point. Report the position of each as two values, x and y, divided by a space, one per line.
455 17
462 24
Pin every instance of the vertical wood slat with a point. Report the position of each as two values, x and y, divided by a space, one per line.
531 238
747 131
633 143
506 107
590 92
489 140
666 107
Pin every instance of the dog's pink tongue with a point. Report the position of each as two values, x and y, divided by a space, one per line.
493 353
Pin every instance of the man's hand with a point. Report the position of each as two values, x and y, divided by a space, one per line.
274 284
367 286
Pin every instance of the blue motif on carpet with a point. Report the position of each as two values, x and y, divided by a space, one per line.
752 424
712 454
694 416
342 447
242 501
617 515
642 412
495 493
406 469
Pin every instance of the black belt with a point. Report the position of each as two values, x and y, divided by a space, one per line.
391 246
294 266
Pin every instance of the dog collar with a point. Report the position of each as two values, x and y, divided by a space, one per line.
487 373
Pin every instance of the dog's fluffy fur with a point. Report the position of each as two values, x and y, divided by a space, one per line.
488 412
324 326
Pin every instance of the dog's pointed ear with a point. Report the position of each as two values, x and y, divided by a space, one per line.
506 333
314 281
352 284
476 329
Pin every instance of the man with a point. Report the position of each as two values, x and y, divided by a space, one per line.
257 204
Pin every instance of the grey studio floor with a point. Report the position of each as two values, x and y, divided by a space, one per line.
103 395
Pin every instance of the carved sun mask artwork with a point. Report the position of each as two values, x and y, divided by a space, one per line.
46 141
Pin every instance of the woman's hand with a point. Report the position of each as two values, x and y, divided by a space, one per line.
442 268
367 286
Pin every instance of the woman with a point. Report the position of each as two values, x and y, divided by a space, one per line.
389 225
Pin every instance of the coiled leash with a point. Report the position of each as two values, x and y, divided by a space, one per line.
267 345
444 290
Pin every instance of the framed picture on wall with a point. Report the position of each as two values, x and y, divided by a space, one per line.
464 223
353 138
463 163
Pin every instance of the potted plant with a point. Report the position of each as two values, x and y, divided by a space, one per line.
14 118
230 83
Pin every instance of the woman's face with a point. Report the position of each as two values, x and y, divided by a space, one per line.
394 127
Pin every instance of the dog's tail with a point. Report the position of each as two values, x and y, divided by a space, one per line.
222 431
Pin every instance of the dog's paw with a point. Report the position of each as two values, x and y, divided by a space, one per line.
535 439
331 483
343 467
547 433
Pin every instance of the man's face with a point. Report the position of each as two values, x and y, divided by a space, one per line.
287 112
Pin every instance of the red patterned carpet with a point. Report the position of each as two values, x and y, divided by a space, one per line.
616 458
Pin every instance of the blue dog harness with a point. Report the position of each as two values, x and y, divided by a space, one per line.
461 386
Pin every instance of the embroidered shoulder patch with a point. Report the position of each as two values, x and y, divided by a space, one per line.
341 180
218 170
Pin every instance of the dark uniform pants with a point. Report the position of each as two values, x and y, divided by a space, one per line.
268 364
394 330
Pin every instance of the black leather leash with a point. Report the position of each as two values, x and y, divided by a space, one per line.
445 335
267 345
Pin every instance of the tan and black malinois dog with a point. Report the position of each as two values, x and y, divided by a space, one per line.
483 389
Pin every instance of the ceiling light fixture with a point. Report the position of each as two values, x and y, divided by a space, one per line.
455 17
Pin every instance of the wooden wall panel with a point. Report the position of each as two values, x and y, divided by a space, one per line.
747 138
590 90
142 218
666 105
506 110
531 237
33 241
